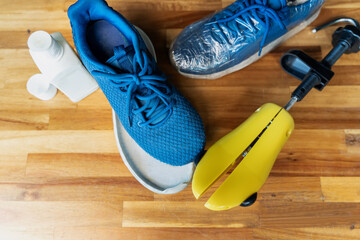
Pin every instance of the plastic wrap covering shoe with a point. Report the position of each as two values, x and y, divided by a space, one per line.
238 35
155 125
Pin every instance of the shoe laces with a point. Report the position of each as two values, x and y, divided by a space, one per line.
244 11
147 94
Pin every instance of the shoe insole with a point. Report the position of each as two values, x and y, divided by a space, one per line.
102 37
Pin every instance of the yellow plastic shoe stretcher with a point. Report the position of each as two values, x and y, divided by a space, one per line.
259 140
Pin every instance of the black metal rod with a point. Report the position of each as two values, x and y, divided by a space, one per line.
310 81
335 54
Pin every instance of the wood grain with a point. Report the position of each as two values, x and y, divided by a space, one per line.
64 213
341 189
72 165
62 178
328 233
185 214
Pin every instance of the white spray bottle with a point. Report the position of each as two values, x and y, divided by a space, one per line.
60 67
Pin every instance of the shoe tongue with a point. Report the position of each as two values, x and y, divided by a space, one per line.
122 58
277 4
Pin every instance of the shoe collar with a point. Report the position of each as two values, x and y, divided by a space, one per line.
85 11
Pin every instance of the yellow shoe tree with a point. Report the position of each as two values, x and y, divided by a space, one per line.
252 148
265 132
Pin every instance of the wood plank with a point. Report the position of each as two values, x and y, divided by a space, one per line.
315 140
165 19
291 189
27 120
12 165
22 100
17 79
352 138
14 39
76 165
185 214
65 214
45 5
345 233
81 119
33 20
25 233
290 163
299 215
113 189
57 142
341 189
326 118
334 96
116 233
343 4
17 59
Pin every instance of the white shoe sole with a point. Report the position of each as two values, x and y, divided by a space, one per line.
153 174
255 56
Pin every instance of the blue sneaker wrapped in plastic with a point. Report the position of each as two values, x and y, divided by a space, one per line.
238 35
154 120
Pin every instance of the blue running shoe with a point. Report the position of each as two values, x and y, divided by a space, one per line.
153 115
239 35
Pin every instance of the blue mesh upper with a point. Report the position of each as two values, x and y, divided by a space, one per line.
181 138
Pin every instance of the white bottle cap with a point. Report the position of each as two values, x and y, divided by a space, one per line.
42 42
40 87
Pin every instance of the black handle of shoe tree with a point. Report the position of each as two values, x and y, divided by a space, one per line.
302 66
314 74
249 201
349 35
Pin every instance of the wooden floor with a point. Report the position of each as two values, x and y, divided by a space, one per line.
61 176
